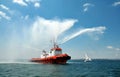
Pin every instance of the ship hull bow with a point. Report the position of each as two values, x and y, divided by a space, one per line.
59 59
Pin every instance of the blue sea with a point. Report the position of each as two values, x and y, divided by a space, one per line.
73 68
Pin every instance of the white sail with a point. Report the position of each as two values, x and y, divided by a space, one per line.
87 58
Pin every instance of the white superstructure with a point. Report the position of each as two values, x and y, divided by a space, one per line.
53 52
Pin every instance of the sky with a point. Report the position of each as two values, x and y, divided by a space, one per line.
79 27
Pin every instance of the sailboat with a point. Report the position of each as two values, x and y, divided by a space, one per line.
87 58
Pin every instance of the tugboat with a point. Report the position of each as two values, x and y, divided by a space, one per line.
55 56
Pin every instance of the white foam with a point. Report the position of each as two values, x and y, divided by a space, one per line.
18 62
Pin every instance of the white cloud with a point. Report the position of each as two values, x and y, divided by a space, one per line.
118 49
116 3
4 7
2 14
113 48
33 1
109 47
37 4
85 9
83 31
20 2
26 17
86 6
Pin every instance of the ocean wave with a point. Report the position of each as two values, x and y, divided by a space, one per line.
74 62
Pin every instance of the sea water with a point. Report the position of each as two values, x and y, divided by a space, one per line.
73 68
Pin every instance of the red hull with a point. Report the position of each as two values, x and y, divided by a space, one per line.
58 59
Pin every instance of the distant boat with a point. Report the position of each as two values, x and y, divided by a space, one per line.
87 58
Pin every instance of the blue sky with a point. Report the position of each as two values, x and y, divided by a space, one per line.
85 26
